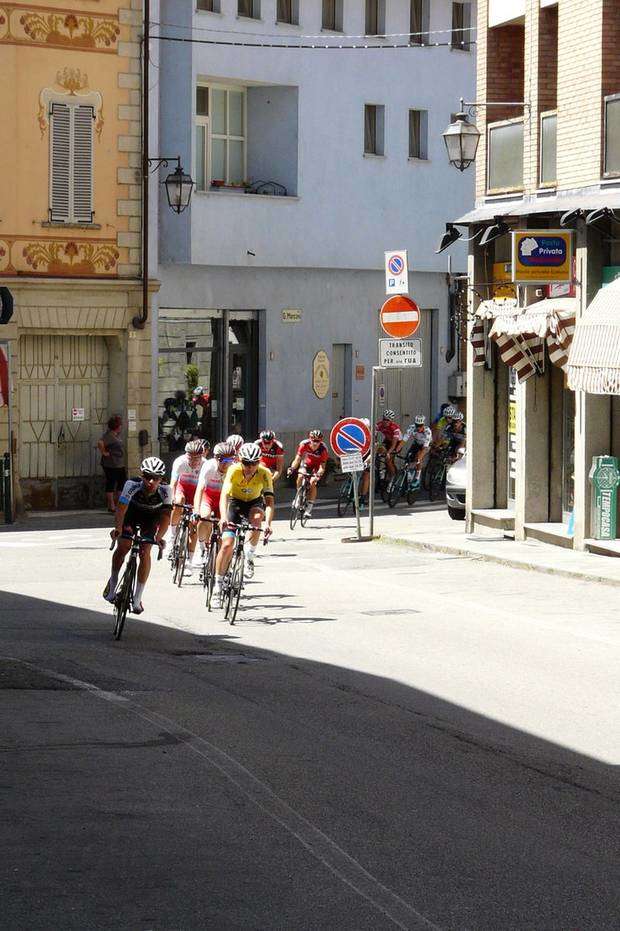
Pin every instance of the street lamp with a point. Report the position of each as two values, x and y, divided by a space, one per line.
462 137
179 187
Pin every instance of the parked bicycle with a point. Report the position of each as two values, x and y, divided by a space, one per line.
405 483
126 587
179 553
233 580
300 501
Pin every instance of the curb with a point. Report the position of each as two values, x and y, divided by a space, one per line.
499 560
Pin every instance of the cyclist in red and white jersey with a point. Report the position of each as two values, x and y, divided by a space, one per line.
311 459
392 438
271 453
209 489
184 481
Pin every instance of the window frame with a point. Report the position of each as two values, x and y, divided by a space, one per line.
294 20
424 37
256 10
489 129
200 120
423 135
609 98
338 16
465 44
70 218
380 6
379 109
543 116
215 4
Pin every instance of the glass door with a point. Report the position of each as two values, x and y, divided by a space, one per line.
242 415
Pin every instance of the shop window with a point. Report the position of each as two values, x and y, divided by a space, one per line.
374 129
71 163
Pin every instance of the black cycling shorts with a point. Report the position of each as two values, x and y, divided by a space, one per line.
239 509
147 524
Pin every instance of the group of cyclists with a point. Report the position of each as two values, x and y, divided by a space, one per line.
236 482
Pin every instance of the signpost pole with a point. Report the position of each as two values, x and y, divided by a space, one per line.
356 500
373 450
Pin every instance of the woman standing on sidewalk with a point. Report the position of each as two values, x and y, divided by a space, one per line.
113 461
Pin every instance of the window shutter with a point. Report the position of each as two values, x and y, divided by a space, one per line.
83 164
60 159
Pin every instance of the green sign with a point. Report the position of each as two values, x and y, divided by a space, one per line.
605 477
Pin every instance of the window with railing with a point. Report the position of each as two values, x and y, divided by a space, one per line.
505 156
611 164
548 148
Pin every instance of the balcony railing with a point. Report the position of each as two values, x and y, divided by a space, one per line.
505 156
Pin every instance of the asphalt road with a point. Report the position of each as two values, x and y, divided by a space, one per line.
385 739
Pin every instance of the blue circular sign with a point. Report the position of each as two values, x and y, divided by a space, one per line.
396 264
350 436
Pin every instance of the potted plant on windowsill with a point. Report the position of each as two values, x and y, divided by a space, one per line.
218 182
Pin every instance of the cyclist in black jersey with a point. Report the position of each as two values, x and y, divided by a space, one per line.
146 505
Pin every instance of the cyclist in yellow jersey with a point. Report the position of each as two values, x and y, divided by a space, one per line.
247 492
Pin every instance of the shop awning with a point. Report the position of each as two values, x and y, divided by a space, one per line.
594 359
521 332
539 204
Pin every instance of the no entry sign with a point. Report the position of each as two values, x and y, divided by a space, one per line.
350 435
400 317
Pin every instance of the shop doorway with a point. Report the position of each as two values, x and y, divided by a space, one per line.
242 414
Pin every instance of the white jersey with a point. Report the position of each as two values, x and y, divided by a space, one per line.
212 478
184 474
421 438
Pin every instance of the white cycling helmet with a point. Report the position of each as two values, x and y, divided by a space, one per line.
194 448
458 416
389 414
419 420
236 440
153 466
450 411
250 452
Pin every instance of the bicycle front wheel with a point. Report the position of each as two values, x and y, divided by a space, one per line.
122 602
435 481
303 503
182 556
235 589
395 489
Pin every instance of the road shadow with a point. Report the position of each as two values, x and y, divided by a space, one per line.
474 823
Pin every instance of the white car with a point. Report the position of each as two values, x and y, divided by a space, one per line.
456 482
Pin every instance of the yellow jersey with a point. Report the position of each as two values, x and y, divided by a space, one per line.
237 486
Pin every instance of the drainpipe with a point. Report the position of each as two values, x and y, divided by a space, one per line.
141 318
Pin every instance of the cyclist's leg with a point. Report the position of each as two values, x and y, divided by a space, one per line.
256 515
226 549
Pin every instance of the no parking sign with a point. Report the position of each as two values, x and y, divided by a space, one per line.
350 435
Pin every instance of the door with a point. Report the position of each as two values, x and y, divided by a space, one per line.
342 354
63 396
242 379
408 390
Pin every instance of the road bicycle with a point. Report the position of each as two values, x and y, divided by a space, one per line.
127 585
436 473
405 482
233 580
179 553
207 572
300 503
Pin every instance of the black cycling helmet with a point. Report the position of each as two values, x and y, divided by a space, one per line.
267 436
316 435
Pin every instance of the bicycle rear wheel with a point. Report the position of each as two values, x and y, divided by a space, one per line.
122 602
345 498
182 556
235 588
303 503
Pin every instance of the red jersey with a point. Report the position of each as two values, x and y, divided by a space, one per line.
390 430
269 453
312 459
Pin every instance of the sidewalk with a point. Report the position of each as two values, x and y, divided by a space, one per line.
428 528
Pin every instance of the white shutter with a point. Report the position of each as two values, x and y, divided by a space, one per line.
83 164
60 162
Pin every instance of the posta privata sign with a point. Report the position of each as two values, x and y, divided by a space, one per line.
542 256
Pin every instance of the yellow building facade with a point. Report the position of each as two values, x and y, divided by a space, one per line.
70 235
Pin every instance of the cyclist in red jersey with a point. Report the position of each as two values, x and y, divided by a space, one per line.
311 459
392 438
271 453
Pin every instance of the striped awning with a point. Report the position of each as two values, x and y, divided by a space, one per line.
521 332
594 358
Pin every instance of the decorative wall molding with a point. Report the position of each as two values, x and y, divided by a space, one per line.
25 24
66 258
70 83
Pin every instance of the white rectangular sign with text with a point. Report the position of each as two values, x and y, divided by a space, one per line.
400 353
